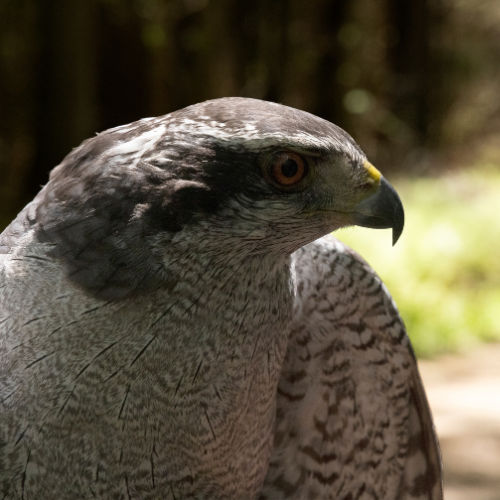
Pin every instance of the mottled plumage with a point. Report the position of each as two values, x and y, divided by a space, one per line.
170 328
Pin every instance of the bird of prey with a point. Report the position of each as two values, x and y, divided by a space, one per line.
174 323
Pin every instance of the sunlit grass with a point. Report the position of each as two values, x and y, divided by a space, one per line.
444 272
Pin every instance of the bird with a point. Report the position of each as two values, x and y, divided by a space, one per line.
177 321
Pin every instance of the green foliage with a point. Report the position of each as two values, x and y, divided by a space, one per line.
444 273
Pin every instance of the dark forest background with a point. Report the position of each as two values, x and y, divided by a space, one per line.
415 82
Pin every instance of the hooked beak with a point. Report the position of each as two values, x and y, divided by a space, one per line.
383 209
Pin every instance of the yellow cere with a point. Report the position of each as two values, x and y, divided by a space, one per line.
374 174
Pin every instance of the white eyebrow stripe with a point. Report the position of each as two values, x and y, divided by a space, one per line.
250 137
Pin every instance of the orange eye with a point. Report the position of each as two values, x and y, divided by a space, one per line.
288 169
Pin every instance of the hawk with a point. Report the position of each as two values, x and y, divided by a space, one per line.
175 323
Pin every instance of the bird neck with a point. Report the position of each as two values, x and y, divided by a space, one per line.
228 299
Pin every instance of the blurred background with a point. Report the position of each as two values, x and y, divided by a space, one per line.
415 82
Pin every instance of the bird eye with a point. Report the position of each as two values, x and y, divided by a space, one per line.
288 169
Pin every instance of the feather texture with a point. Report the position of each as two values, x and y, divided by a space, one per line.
352 418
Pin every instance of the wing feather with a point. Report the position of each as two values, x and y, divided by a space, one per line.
352 415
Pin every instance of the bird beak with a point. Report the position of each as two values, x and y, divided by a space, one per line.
383 209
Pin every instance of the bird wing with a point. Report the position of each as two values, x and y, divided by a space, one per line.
352 416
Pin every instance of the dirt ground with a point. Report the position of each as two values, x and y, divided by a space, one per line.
464 394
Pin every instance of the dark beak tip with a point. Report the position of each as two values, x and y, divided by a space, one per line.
398 222
396 233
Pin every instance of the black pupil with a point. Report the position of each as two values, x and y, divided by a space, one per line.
289 168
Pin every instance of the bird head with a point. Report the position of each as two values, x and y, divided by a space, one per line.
232 173
277 174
